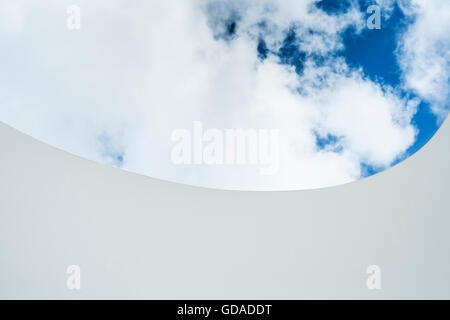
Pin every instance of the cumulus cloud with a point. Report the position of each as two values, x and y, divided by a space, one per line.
136 71
425 52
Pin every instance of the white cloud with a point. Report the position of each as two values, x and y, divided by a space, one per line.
425 52
139 70
270 19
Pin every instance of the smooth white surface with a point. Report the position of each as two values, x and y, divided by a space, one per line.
136 237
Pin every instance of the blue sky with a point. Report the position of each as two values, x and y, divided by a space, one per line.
375 51
348 101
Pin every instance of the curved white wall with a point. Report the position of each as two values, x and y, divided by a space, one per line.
136 237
